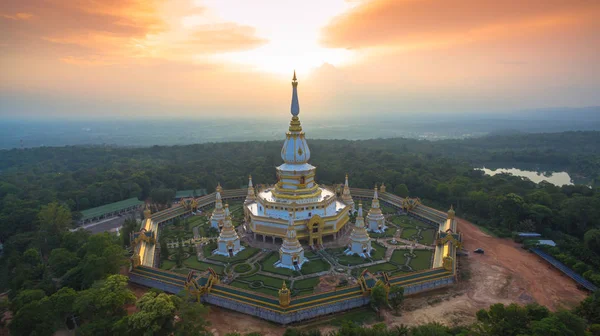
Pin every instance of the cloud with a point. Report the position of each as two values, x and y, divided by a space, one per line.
17 16
417 24
224 37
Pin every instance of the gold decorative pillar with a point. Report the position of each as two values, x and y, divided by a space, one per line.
284 296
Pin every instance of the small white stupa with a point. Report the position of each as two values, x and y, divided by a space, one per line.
375 219
291 253
346 197
217 219
229 241
360 242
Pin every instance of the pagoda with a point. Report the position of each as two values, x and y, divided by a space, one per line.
291 253
218 216
317 210
360 242
251 196
375 219
228 243
346 197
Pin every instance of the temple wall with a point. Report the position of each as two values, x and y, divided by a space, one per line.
428 285
285 318
152 283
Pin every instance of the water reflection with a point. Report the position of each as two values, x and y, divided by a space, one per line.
557 178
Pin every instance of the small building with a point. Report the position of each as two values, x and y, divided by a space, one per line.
547 242
529 235
110 210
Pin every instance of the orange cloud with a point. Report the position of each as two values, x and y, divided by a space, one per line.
224 37
422 23
17 16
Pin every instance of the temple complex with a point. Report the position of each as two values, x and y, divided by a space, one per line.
375 218
229 241
340 263
318 211
360 243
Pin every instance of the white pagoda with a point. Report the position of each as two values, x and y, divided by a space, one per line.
375 219
291 253
318 212
346 197
228 243
218 216
360 242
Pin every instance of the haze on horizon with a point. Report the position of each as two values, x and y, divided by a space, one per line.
215 58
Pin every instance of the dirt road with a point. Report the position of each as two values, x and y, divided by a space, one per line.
506 273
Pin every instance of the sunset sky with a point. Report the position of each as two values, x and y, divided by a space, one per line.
209 58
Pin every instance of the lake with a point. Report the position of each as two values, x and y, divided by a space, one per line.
558 178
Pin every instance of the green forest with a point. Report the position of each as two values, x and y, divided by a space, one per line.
54 276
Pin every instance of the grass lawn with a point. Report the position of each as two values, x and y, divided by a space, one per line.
267 280
315 266
270 286
389 232
408 232
309 283
311 255
398 257
242 268
246 286
305 287
351 260
422 261
380 267
428 236
193 263
388 210
405 221
379 251
242 255
167 264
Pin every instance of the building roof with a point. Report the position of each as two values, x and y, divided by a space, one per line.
529 234
546 242
108 208
190 193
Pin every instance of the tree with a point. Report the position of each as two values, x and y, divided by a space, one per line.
592 240
501 320
54 219
164 249
590 308
179 254
61 260
129 226
430 329
401 190
154 316
105 300
378 297
396 297
191 318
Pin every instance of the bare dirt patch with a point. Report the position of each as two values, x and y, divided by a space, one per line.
506 273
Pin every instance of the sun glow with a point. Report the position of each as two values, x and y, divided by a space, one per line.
291 29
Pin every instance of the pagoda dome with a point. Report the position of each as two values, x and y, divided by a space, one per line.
295 149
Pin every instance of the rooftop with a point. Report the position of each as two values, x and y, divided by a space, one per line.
190 193
108 208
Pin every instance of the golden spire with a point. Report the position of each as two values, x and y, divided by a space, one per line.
294 79
451 212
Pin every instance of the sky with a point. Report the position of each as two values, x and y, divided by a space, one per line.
225 58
